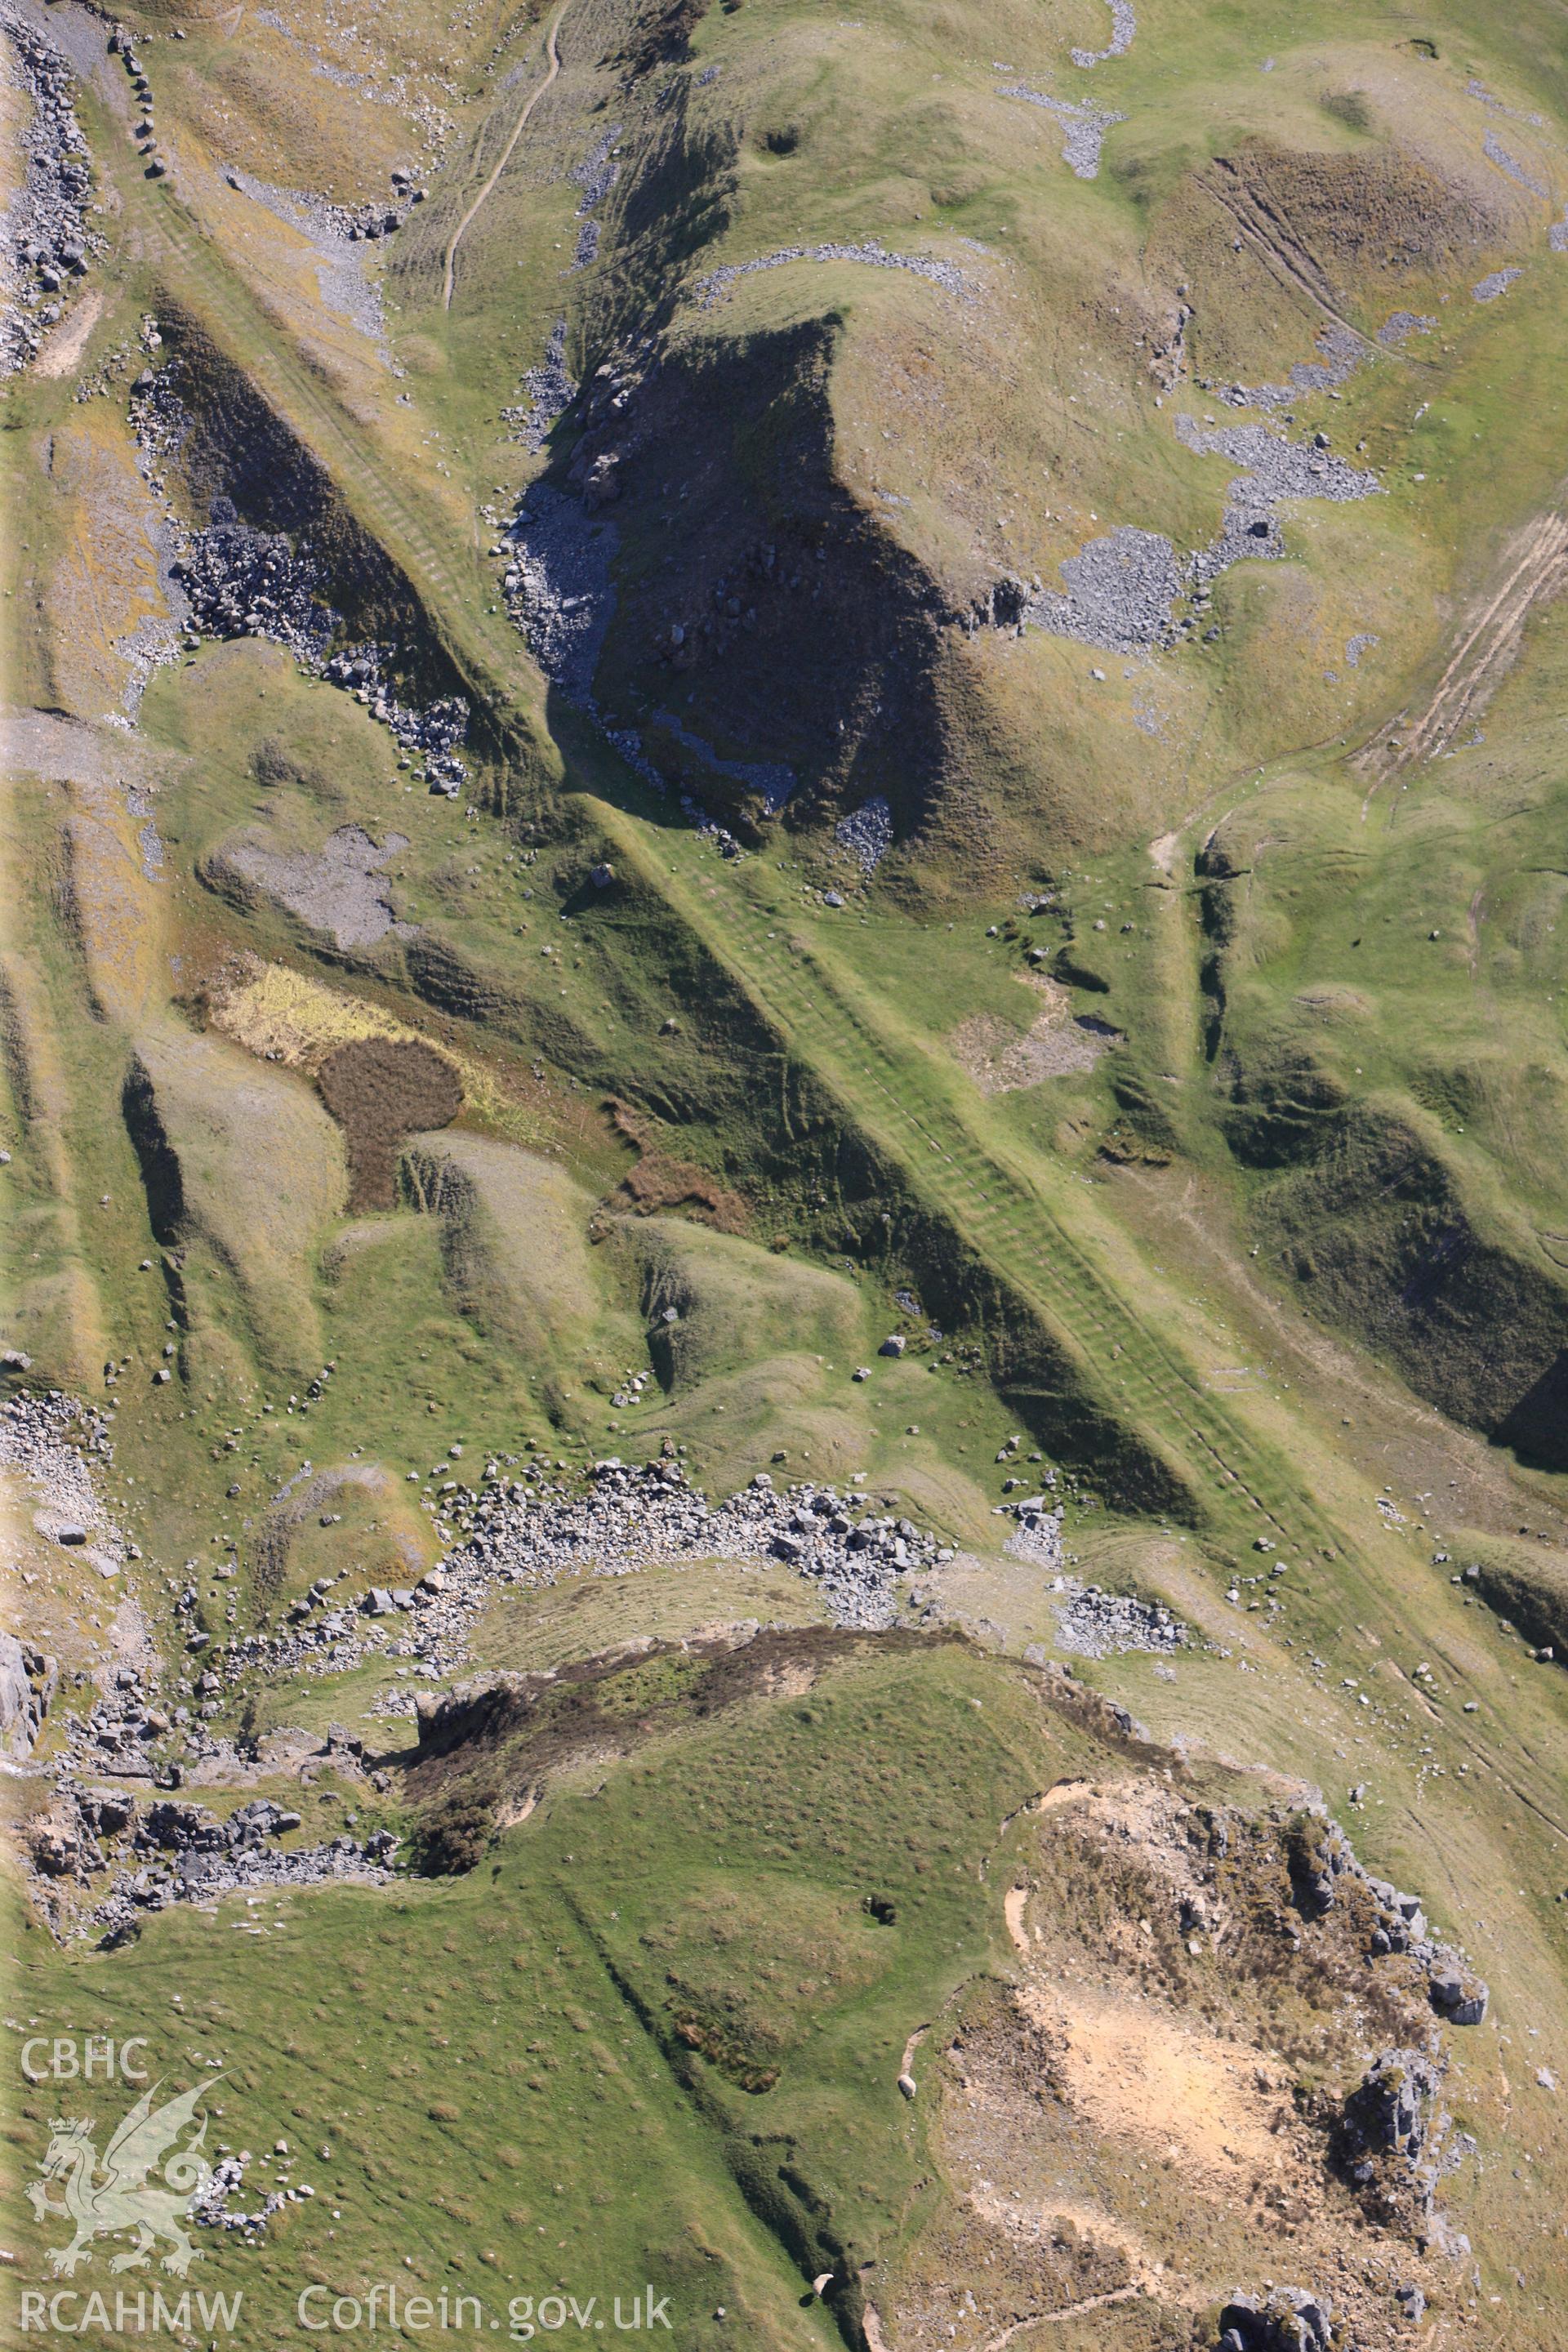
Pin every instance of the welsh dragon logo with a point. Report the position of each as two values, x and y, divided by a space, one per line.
113 2197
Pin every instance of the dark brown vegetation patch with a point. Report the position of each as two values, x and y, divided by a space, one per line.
380 1089
659 1182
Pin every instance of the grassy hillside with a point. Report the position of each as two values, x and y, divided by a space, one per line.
870 685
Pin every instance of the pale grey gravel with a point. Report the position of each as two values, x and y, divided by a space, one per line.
1086 126
1123 31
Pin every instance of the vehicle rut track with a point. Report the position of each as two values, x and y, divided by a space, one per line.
1152 1390
1535 569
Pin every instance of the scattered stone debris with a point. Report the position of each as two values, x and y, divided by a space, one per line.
239 581
1495 282
231 580
339 235
1123 588
633 1517
1484 96
1400 325
596 174
1276 467
550 392
945 274
1557 235
171 1851
535 1529
432 734
867 832
210 2210
1341 350
557 588
1120 592
1355 647
1003 1060
1038 1534
44 241
51 1439
1123 31
1498 154
1086 126
1095 1624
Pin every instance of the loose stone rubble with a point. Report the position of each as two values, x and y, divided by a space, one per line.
340 235
1095 1624
211 2210
1120 592
945 274
339 889
44 241
596 174
530 1531
171 1851
557 588
432 734
1400 325
1123 31
1124 588
1484 96
243 582
51 1439
1276 467
867 832
1341 350
1086 126
1495 282
1498 154
550 392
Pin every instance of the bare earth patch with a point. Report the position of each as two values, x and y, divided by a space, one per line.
1133 2070
1004 1060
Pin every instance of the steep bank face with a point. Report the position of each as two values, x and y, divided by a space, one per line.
210 434
1377 1231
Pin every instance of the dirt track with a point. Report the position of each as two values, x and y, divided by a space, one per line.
468 218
